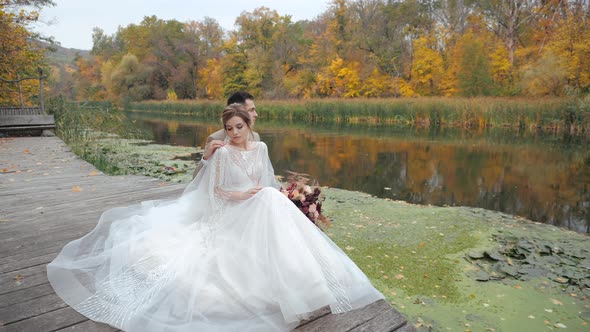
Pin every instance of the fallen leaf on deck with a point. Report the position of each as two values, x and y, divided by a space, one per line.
18 277
26 151
93 173
76 189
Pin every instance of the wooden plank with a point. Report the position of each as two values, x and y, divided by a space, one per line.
26 294
26 120
387 321
29 262
31 308
36 252
28 127
25 248
346 321
21 279
323 311
50 321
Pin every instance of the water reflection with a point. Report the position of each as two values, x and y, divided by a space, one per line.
541 178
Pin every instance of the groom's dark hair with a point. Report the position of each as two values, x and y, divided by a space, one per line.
239 98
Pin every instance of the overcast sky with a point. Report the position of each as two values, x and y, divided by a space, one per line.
72 21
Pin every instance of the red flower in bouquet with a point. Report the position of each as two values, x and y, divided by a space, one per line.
308 198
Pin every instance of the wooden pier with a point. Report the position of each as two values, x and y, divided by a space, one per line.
48 197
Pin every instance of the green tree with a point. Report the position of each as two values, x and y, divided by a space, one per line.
130 79
474 76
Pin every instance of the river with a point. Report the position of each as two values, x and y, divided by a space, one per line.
541 178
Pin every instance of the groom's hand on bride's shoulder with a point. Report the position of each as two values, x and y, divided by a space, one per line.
211 147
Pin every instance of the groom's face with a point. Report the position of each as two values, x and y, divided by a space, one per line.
251 108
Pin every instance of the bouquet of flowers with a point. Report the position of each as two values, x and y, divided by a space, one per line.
308 198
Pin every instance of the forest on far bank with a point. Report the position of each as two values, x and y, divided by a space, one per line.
356 48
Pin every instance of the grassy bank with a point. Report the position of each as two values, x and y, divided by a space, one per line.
558 115
83 125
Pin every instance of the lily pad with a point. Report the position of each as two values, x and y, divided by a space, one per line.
509 270
476 255
561 280
494 255
480 275
585 316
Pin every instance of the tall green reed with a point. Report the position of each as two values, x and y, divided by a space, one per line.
549 114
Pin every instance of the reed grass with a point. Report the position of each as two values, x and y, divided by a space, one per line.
558 115
80 124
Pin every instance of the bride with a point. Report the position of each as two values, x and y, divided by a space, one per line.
230 254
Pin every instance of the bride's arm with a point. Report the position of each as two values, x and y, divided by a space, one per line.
268 178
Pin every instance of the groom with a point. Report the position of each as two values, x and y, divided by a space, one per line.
215 140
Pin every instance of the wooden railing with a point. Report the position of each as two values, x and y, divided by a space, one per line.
21 111
27 119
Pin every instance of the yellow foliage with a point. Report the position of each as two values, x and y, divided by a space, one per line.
427 67
500 64
212 74
570 46
171 95
376 85
404 88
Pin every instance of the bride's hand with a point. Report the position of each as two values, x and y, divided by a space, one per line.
211 147
251 192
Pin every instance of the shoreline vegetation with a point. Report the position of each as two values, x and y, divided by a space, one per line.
569 116
446 268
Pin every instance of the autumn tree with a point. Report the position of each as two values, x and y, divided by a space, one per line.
427 67
21 56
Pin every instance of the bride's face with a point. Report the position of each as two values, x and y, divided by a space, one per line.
237 130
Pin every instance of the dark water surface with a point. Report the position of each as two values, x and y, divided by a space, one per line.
542 178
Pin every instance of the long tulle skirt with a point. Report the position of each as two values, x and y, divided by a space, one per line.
261 266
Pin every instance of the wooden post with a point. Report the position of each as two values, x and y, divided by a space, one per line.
41 99
20 93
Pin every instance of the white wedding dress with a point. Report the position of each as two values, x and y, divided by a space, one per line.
206 262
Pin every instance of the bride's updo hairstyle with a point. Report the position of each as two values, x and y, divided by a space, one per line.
238 110
235 109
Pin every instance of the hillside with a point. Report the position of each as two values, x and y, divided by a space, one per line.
62 55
